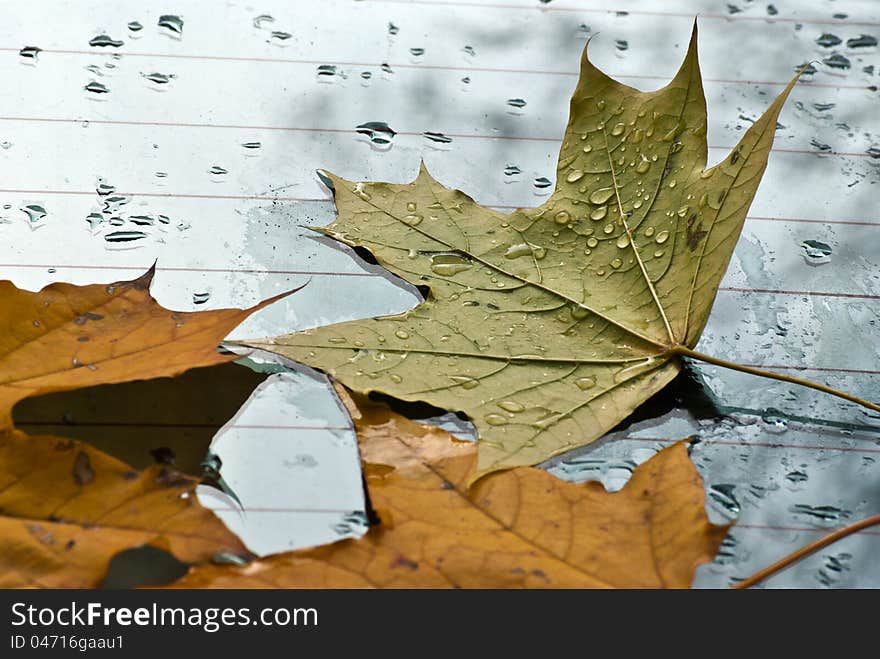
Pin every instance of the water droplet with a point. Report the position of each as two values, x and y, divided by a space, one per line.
401 334
412 220
708 173
464 381
511 406
201 298
649 232
542 182
588 148
658 253
585 383
377 131
864 41
495 420
662 237
411 207
592 242
172 24
601 195
518 250
672 183
608 228
263 19
103 40
574 176
516 103
34 212
562 217
643 166
623 241
29 53
618 129
416 52
599 213
637 136
158 79
438 138
94 220
816 252
395 378
448 265
97 88
124 236
616 263
637 204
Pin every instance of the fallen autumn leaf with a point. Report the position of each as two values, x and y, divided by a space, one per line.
549 326
517 528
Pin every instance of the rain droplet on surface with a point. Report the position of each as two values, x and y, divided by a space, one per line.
172 24
279 37
464 381
511 406
97 88
29 54
599 213
542 182
585 383
34 212
159 79
124 236
827 40
601 196
516 103
518 250
103 188
495 420
439 138
104 40
449 264
816 252
201 298
262 20
864 41
662 237
378 132
838 61
94 220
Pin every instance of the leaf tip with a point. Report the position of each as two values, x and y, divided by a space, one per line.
327 179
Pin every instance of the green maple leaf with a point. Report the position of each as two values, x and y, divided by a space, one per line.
549 326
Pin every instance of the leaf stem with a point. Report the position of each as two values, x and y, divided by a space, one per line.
687 352
803 552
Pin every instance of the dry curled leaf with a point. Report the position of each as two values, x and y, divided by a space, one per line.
517 528
66 337
67 508
549 326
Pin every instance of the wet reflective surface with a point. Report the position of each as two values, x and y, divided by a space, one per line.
214 177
